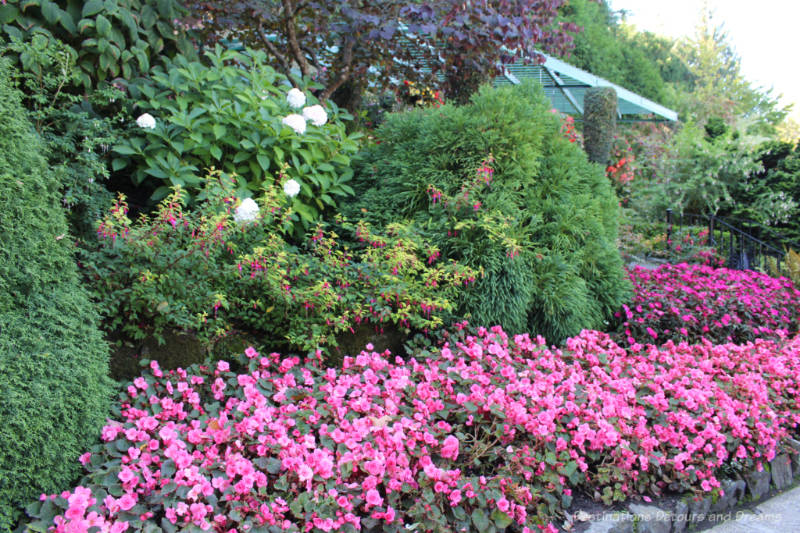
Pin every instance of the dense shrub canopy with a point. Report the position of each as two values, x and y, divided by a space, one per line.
498 186
53 361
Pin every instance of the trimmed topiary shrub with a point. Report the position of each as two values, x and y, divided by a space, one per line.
498 187
600 123
53 360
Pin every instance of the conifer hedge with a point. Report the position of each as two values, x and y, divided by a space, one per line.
497 185
54 389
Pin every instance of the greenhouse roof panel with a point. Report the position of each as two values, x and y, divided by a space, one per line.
566 87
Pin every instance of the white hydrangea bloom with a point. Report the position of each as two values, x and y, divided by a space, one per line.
247 211
296 98
291 188
316 114
146 121
296 122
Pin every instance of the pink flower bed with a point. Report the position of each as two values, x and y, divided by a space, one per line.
693 302
479 429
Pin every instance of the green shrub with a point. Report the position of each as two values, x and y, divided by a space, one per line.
228 114
696 174
53 361
221 267
113 38
770 196
498 187
78 137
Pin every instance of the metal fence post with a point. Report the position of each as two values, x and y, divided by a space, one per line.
669 228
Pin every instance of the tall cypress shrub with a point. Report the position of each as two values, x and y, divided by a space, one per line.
54 389
554 208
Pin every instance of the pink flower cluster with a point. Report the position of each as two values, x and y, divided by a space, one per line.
694 302
477 427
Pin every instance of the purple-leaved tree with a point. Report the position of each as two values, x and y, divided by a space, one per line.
347 44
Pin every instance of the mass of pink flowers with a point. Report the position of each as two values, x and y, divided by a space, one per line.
471 429
694 302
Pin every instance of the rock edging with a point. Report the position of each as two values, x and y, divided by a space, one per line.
688 513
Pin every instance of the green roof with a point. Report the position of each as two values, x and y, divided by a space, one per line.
566 86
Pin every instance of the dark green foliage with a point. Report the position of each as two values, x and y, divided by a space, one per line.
640 62
771 196
543 228
114 39
715 127
599 123
76 134
53 361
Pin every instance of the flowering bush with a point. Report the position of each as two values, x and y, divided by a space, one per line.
238 115
694 302
477 432
414 94
228 264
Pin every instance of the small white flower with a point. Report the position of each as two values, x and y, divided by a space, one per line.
146 121
247 211
316 114
296 122
296 98
291 188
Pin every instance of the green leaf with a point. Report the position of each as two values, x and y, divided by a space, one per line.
263 160
216 152
8 13
501 519
480 520
50 11
168 469
92 7
124 149
219 131
274 465
103 26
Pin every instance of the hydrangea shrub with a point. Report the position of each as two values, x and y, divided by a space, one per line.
477 432
686 302
236 114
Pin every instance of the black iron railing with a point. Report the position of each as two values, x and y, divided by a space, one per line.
740 249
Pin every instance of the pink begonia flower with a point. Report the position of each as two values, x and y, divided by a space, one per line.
374 498
305 472
119 527
127 501
503 504
450 448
